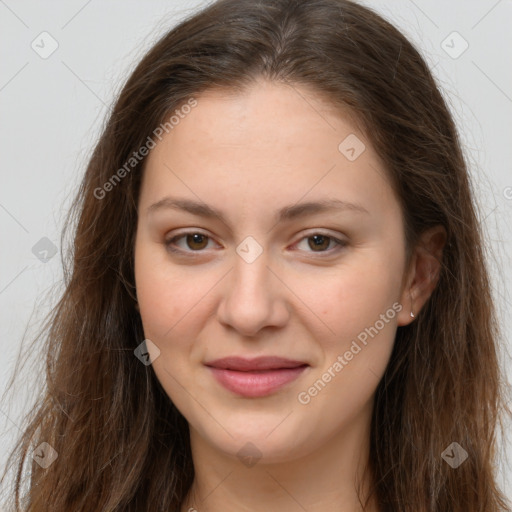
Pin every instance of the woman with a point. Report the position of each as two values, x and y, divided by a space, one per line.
277 298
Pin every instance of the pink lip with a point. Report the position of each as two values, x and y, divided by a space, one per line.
255 377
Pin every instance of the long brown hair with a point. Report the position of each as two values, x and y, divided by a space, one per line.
121 443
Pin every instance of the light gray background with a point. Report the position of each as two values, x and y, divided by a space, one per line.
51 111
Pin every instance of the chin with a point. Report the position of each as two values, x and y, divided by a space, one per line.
265 440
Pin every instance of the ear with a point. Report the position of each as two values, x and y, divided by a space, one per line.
422 274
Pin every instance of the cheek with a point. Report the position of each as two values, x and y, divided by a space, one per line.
340 389
356 296
359 304
168 296
172 308
175 303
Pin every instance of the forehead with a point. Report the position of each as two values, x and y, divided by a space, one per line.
274 116
273 142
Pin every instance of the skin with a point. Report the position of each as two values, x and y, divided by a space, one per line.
249 155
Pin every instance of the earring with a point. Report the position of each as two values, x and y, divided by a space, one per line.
412 314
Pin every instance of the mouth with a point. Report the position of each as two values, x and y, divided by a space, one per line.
257 377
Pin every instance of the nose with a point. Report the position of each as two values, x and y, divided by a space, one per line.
253 297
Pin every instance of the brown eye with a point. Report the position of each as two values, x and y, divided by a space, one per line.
322 243
194 242
319 242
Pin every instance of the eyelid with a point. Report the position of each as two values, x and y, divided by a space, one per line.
323 232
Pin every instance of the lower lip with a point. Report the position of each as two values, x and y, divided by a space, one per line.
256 383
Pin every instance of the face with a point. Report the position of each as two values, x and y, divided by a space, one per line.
303 300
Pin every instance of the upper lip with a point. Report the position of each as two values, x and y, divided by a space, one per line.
257 363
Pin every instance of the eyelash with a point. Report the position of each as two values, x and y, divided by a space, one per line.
168 243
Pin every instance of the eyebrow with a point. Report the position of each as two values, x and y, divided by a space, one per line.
286 213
